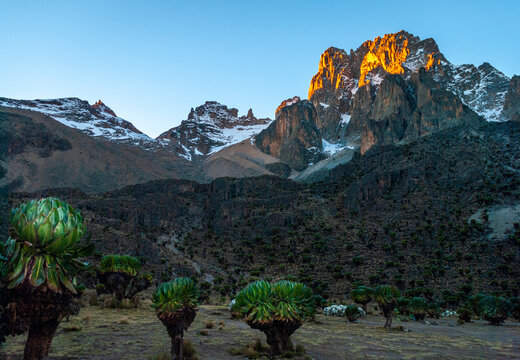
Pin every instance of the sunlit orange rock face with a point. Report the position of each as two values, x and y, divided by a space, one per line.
389 52
328 71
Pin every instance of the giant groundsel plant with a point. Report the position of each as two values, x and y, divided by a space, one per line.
42 256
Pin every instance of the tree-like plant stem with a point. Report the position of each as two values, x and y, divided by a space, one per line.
278 341
278 334
176 336
40 339
387 312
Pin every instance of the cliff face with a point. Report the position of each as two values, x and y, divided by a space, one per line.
293 137
407 109
345 87
512 101
210 127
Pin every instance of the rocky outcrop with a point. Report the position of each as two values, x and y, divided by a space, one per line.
293 137
512 100
210 127
341 76
406 109
94 120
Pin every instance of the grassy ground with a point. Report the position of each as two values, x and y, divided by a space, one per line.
137 334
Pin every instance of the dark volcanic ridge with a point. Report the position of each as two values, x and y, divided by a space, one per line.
397 214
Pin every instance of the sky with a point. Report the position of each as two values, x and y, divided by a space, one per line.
152 61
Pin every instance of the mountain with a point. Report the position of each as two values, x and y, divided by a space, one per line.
434 216
212 127
293 137
40 153
345 89
390 90
93 120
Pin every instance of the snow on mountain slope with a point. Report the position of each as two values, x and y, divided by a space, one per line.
341 74
212 127
94 120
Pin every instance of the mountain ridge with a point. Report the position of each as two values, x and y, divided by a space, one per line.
390 90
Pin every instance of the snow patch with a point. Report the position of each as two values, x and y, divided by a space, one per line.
345 118
331 149
324 105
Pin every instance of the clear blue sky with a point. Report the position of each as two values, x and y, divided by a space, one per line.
151 61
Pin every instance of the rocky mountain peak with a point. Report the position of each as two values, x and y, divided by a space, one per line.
100 106
211 127
340 75
94 120
293 137
288 102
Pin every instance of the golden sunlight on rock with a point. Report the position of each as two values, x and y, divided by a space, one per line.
386 52
430 61
327 70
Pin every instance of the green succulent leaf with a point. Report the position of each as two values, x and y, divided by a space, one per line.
38 273
174 295
45 247
45 233
29 233
52 275
261 301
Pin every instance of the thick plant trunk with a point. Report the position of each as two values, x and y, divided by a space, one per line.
176 350
176 323
278 334
279 342
39 340
388 312
388 323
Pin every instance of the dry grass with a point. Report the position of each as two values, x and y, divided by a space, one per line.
330 338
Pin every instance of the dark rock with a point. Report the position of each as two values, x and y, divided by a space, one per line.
512 101
279 168
203 130
293 137
407 109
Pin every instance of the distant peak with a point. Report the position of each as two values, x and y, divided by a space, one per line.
99 105
288 102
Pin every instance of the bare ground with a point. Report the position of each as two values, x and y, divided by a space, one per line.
111 334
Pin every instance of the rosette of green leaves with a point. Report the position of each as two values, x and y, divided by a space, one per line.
473 302
44 247
386 294
262 302
495 309
418 306
353 312
175 295
120 263
362 294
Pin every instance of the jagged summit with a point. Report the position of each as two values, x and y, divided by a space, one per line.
340 75
94 120
211 127
99 105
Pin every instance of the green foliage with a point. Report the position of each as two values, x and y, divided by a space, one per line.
44 247
362 294
434 310
418 307
386 294
120 263
402 306
175 295
465 314
473 302
494 309
261 301
353 312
